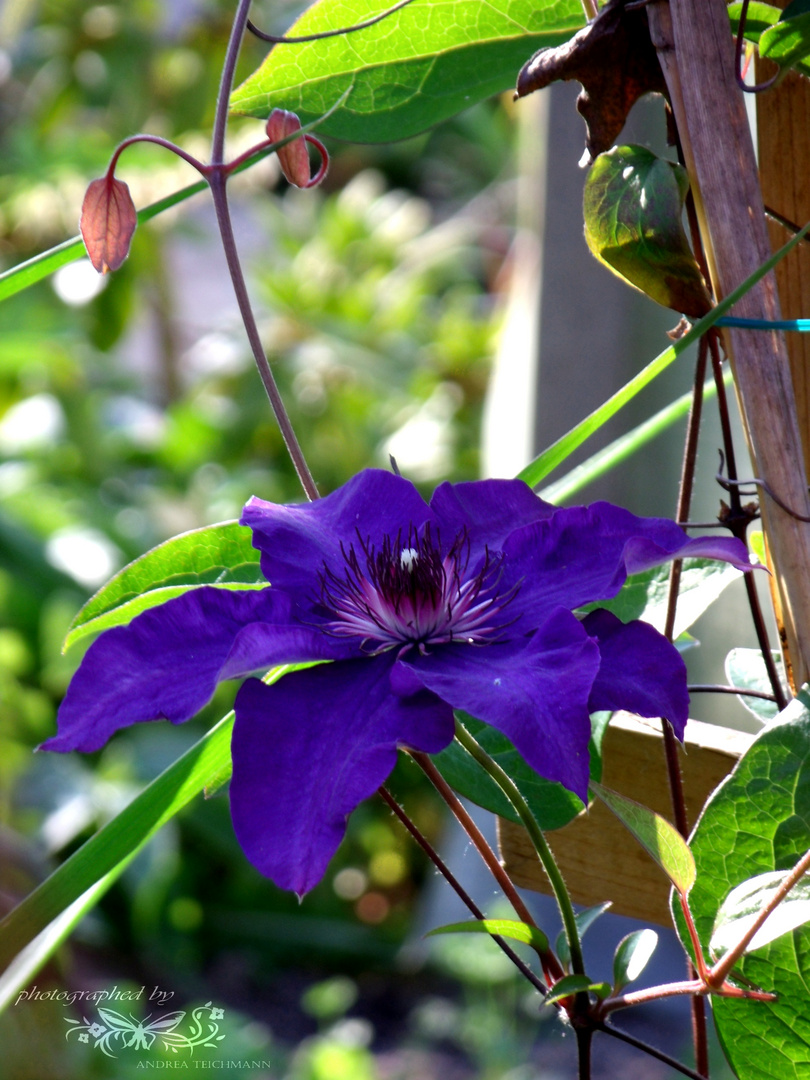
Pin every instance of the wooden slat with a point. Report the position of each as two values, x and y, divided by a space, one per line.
599 859
783 136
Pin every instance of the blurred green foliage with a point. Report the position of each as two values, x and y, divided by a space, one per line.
130 410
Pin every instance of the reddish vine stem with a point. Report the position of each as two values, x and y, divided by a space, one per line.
631 1040
303 38
738 520
456 885
475 834
218 184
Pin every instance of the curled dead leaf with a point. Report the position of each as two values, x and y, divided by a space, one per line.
616 63
107 223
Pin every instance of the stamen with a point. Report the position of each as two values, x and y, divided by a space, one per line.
406 593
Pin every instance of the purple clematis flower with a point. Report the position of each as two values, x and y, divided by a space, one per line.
465 603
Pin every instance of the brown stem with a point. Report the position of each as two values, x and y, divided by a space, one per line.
551 965
455 884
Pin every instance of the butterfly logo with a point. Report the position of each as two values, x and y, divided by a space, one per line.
113 1029
137 1034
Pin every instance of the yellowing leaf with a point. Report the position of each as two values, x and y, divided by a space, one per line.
633 205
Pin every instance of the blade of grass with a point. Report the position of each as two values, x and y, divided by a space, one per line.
36 953
624 447
117 841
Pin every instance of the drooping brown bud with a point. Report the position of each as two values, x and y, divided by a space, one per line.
293 158
107 223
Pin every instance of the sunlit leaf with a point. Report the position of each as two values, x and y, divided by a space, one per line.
646 595
659 838
632 955
746 669
788 42
215 555
742 906
508 928
633 207
419 66
758 822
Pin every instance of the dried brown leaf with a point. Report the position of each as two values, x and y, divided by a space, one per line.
107 223
616 63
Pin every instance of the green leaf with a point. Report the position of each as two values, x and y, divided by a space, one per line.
659 838
632 955
742 906
788 43
746 669
758 822
633 206
760 16
794 8
645 595
508 928
575 984
419 66
583 919
555 455
552 805
215 555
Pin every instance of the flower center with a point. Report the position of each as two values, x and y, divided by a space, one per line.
408 593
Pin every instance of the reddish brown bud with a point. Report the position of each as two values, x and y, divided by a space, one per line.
293 158
107 223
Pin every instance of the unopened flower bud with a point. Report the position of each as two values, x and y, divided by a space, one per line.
293 157
107 223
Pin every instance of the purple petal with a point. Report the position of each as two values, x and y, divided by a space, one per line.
167 662
489 509
536 692
308 749
296 541
585 553
640 671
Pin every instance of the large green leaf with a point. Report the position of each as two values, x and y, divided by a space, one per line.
757 822
743 906
780 44
788 42
417 67
215 555
646 595
633 209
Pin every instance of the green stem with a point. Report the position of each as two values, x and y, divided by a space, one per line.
511 791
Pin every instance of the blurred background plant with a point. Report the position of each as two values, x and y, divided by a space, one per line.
130 411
